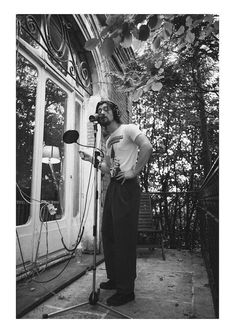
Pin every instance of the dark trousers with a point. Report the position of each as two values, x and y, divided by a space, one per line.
119 233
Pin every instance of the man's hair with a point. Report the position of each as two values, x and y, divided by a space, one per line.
113 107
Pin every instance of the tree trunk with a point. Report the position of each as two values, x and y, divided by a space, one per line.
205 155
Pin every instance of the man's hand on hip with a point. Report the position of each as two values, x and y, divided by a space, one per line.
123 175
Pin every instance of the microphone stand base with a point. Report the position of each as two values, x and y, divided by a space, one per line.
93 301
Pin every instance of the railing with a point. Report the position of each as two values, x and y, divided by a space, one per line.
178 216
190 220
208 211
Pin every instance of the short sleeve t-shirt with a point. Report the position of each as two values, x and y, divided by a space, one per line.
121 150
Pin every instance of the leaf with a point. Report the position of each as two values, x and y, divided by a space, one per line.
189 21
190 37
156 86
135 32
147 87
125 28
117 40
169 27
165 35
202 35
137 94
91 44
137 44
196 23
114 19
144 32
107 47
158 64
127 41
156 42
152 22
158 56
139 18
159 23
209 18
180 31
150 81
181 46
209 31
216 26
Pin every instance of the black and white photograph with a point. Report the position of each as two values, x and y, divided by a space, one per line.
117 166
115 137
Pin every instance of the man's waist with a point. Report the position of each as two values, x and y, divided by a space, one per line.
129 180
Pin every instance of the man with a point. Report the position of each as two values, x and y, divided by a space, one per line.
127 152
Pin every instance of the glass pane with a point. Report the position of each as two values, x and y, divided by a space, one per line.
52 185
32 24
26 83
76 164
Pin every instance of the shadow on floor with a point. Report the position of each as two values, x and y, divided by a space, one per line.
177 288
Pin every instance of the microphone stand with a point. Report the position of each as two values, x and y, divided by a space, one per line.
94 296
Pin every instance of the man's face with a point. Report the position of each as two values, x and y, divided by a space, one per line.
105 114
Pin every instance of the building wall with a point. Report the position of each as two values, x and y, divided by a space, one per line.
105 90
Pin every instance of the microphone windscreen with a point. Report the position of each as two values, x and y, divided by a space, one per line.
70 136
93 117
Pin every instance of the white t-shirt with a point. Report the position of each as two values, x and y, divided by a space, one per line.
121 150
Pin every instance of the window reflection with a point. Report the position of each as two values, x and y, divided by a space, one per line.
52 183
34 22
76 165
26 83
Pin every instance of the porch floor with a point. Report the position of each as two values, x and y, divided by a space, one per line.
177 288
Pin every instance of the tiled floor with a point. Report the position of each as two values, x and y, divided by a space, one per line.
177 288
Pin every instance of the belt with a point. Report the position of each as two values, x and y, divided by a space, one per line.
115 180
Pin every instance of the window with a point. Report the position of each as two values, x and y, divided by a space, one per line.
58 46
26 84
34 23
76 164
52 182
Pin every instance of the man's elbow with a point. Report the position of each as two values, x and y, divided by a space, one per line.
147 147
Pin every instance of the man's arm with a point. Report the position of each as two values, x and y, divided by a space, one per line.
103 166
145 151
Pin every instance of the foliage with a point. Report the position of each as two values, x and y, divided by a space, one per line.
174 82
179 55
172 119
163 34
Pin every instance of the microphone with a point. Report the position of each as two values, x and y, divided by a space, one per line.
94 117
70 136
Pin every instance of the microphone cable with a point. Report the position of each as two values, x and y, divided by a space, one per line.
80 233
72 251
81 230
